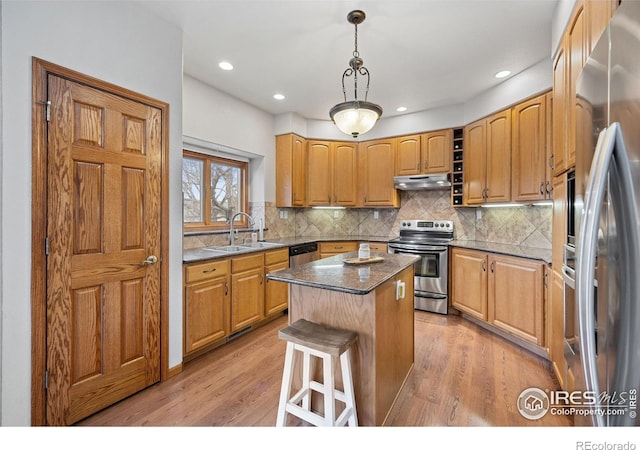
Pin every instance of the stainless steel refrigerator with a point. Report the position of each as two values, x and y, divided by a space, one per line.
607 204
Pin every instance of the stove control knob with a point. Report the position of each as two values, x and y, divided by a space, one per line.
448 225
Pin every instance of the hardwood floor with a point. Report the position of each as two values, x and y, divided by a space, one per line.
463 376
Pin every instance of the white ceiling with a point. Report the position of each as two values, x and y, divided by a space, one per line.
421 54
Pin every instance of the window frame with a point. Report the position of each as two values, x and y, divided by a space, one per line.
207 224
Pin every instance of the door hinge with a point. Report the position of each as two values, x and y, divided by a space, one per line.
46 246
47 109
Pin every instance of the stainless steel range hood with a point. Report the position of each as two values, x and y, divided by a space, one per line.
422 182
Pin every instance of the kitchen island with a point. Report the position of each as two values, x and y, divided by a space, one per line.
375 300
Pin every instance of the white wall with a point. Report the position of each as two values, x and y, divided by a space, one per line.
533 80
118 43
215 117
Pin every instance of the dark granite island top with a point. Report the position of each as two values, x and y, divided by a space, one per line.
365 299
335 275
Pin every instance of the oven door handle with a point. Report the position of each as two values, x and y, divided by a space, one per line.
421 251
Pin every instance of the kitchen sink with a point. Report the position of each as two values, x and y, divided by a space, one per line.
229 248
261 245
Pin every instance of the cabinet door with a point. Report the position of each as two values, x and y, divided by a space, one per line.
276 297
474 163
499 157
377 172
469 282
599 13
345 174
528 150
436 151
516 297
291 179
556 332
319 170
408 155
577 43
247 298
560 110
206 313
299 168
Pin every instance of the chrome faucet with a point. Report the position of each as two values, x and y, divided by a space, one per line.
231 235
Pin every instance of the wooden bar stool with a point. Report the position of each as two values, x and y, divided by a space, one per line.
312 339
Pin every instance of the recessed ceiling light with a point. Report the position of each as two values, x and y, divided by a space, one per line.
224 65
401 108
278 96
503 73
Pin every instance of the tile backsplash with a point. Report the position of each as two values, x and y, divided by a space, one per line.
528 225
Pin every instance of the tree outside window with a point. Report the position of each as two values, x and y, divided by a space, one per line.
213 190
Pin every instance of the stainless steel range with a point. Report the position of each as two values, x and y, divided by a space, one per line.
429 239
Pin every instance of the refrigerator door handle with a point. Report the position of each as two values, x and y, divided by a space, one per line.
622 188
586 259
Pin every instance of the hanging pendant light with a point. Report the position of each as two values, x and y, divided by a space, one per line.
355 117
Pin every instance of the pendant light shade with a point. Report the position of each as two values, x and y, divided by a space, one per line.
355 117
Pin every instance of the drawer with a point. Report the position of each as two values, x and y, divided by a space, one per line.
206 271
337 247
242 263
377 247
276 256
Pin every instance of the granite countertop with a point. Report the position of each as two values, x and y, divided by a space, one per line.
333 274
201 254
542 254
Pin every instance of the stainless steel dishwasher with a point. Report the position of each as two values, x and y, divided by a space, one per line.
302 253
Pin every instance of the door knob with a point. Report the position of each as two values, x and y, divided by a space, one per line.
149 261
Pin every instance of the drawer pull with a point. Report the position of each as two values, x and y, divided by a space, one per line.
209 271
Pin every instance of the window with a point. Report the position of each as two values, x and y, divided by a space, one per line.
213 190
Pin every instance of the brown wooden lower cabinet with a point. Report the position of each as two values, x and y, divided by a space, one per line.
206 304
503 291
224 296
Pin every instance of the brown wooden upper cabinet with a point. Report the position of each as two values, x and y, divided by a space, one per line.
530 151
424 153
376 170
587 23
291 169
331 173
487 160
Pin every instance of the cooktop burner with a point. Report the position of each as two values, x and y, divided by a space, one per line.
419 230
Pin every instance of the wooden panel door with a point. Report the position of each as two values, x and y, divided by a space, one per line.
377 172
499 157
276 297
469 282
408 155
475 163
515 298
103 278
291 170
436 151
529 150
599 13
206 312
345 174
577 43
555 316
319 169
560 132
